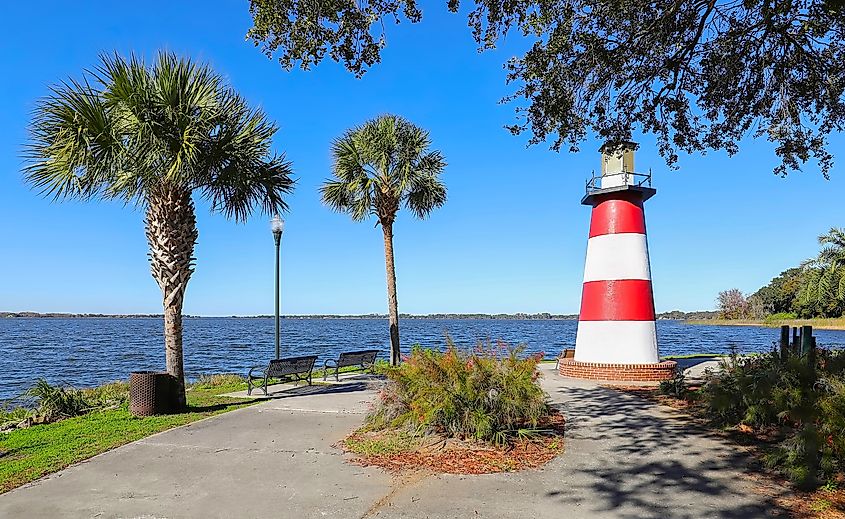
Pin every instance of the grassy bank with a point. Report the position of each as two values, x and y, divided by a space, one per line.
30 453
831 323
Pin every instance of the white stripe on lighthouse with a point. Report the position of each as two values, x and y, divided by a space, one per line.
617 256
616 342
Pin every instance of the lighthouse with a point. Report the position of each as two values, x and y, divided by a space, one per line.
617 336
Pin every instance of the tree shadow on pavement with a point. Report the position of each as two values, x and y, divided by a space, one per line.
695 361
643 460
351 386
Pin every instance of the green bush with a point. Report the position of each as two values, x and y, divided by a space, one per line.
45 403
675 386
488 393
781 316
55 402
10 418
804 399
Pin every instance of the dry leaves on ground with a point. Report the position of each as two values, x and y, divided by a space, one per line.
454 456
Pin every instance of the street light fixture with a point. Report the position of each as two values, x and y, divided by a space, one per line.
277 225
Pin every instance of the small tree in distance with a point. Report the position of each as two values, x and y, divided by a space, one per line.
732 304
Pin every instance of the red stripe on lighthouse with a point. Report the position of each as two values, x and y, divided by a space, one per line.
617 216
617 300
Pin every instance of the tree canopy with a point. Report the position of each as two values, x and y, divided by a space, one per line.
382 165
699 74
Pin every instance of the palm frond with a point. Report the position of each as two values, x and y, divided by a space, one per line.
834 237
426 194
238 189
73 150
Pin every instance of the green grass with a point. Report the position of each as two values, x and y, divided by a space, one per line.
829 323
30 453
386 443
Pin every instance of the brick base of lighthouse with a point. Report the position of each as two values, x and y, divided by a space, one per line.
618 372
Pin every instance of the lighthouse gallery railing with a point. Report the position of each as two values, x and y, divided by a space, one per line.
628 178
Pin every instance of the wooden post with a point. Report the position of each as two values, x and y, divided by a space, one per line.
806 339
795 343
784 341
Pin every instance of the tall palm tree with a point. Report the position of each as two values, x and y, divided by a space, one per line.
378 167
153 136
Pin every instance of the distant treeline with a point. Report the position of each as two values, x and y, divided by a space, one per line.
77 316
675 314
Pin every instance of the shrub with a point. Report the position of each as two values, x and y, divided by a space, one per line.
488 393
10 418
806 401
55 402
45 403
675 386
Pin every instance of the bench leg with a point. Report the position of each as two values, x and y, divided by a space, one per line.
265 386
249 386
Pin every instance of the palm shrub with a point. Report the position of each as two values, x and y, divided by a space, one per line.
806 402
378 168
155 136
488 393
56 402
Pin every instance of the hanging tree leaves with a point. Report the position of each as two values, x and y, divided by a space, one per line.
700 75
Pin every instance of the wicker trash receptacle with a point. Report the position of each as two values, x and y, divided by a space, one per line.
151 393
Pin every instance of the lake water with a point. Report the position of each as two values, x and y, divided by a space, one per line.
86 352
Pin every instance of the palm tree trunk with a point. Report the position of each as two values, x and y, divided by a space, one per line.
392 302
171 229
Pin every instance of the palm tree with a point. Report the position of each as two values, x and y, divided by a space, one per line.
378 167
152 136
824 275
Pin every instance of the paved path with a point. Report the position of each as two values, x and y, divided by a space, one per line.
625 458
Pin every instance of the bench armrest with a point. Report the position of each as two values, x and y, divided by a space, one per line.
330 363
262 370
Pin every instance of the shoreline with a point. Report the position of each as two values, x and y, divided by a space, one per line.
833 323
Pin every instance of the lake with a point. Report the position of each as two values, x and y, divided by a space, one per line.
86 352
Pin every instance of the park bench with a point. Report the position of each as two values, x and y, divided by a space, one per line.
297 368
565 354
361 360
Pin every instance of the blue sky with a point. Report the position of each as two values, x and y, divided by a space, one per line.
511 238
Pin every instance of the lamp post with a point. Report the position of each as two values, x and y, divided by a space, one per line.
277 225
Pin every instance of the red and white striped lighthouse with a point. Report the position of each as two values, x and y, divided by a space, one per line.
617 337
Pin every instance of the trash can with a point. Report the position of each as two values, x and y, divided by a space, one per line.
151 393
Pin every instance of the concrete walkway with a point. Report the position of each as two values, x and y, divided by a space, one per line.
624 458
